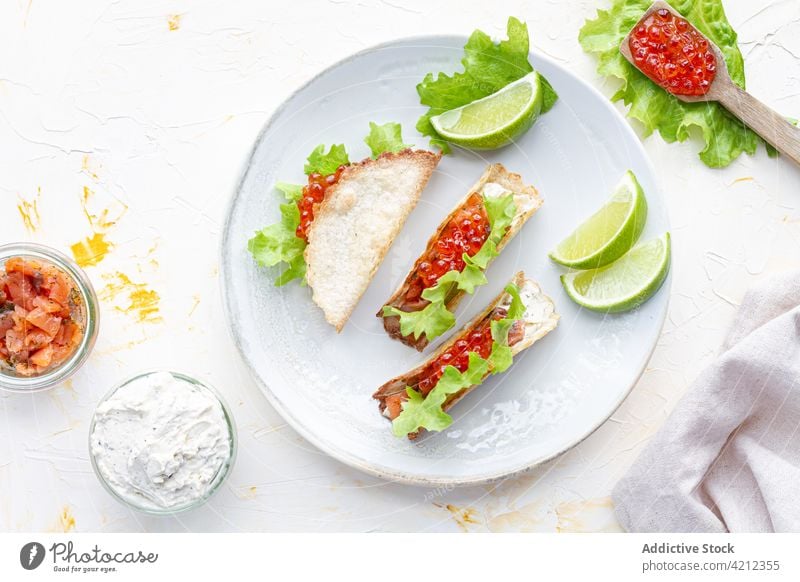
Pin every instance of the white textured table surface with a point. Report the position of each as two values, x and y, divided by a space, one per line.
127 124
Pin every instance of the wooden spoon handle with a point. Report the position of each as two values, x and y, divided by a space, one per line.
767 123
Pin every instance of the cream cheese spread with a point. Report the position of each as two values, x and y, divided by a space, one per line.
160 441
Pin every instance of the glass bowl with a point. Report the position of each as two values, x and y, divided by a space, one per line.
146 506
90 314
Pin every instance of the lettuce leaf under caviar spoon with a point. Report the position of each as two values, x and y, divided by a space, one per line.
680 59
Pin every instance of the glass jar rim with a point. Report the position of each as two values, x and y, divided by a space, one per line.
92 325
219 478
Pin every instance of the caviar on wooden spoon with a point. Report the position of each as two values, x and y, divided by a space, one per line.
680 59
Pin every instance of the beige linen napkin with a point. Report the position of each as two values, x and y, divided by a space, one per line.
728 457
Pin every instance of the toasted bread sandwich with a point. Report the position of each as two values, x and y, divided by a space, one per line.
419 399
355 224
463 246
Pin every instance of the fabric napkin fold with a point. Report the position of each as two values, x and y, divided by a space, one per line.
728 457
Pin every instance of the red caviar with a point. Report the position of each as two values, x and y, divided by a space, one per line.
673 53
314 193
479 341
465 232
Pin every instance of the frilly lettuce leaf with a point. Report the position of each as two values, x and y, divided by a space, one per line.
385 138
421 412
435 319
725 137
488 67
426 412
326 163
277 243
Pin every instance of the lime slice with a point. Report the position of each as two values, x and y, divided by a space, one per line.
610 232
496 120
624 284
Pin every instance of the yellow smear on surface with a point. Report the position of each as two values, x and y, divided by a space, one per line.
104 220
90 251
590 515
93 249
246 493
195 303
87 167
463 517
174 21
66 521
29 211
139 301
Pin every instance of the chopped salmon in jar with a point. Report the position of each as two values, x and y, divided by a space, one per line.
41 316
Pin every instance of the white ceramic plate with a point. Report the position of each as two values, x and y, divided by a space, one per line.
556 393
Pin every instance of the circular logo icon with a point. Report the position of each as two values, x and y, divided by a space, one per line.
31 555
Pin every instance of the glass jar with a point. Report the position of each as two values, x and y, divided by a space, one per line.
141 503
86 315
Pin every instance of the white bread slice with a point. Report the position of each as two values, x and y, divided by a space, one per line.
355 225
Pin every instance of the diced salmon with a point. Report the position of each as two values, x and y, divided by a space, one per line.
15 341
6 322
67 334
39 331
49 306
394 404
42 357
26 267
36 339
57 285
20 290
47 322
61 353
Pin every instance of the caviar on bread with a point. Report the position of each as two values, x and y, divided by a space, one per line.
456 256
419 399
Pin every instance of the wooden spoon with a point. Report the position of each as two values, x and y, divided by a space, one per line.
771 126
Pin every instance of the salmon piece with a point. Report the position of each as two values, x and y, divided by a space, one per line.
58 286
20 290
15 341
394 404
68 335
47 322
26 267
49 306
61 353
43 357
36 339
6 322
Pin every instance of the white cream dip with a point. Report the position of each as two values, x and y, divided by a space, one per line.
160 441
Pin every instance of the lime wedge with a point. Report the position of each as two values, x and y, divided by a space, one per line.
496 120
610 232
624 284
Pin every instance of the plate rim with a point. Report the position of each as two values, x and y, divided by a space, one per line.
342 455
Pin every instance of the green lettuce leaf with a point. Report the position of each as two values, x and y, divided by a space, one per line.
435 319
292 192
326 163
385 138
488 67
426 412
725 137
277 243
